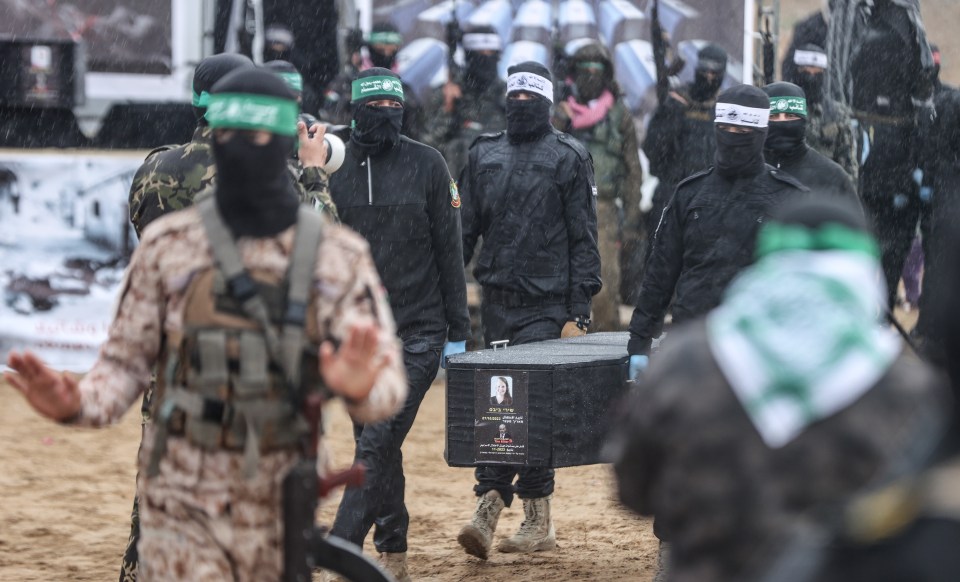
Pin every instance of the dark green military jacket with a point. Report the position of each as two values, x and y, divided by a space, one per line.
172 177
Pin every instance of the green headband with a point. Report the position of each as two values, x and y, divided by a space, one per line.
385 37
201 100
384 87
293 80
794 105
246 111
591 65
775 237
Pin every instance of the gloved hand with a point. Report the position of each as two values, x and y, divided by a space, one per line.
451 349
926 193
638 364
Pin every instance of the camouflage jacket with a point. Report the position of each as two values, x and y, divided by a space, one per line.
171 177
475 114
685 450
830 132
151 303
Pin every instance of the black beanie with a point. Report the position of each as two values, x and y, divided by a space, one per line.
208 72
254 82
288 73
712 58
745 96
536 69
361 93
789 103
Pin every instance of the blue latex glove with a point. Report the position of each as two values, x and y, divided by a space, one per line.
452 349
926 193
637 366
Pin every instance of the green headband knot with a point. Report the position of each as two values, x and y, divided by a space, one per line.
385 37
775 237
257 112
384 87
794 105
201 100
293 80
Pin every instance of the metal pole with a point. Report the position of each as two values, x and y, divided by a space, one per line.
749 29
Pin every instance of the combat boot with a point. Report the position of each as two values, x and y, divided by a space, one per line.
477 536
536 533
395 563
663 562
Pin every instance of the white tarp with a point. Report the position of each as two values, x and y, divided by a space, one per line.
65 240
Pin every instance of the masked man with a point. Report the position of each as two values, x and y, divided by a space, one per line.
594 113
529 193
398 194
205 289
786 148
764 416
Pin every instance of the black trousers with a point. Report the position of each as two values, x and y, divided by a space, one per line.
380 500
520 324
891 197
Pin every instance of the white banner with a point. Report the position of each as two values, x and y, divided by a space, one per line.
65 239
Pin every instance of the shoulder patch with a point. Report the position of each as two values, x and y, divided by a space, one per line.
695 177
454 194
786 178
487 136
574 144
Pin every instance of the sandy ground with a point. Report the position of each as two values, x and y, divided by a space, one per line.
65 499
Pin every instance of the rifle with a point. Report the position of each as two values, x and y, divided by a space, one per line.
354 41
561 65
659 53
453 37
769 58
306 546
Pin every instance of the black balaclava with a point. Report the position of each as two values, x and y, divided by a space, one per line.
528 120
710 58
376 129
740 155
481 69
255 192
383 30
208 72
278 43
811 83
786 139
592 71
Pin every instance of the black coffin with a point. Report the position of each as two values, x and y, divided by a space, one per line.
560 395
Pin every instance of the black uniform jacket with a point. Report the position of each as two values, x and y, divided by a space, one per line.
817 172
705 238
404 203
534 204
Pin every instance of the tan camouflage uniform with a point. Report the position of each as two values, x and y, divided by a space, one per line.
201 519
171 177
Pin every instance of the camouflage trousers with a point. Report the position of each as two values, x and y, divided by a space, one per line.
201 519
606 303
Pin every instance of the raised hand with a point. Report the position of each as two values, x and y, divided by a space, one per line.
352 370
53 394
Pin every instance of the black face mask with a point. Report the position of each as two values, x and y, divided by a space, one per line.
376 129
527 119
785 139
481 70
704 89
255 192
382 60
739 155
589 85
812 85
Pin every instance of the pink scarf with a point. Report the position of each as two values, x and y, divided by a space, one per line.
590 114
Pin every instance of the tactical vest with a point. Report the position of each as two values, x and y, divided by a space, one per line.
605 143
236 376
